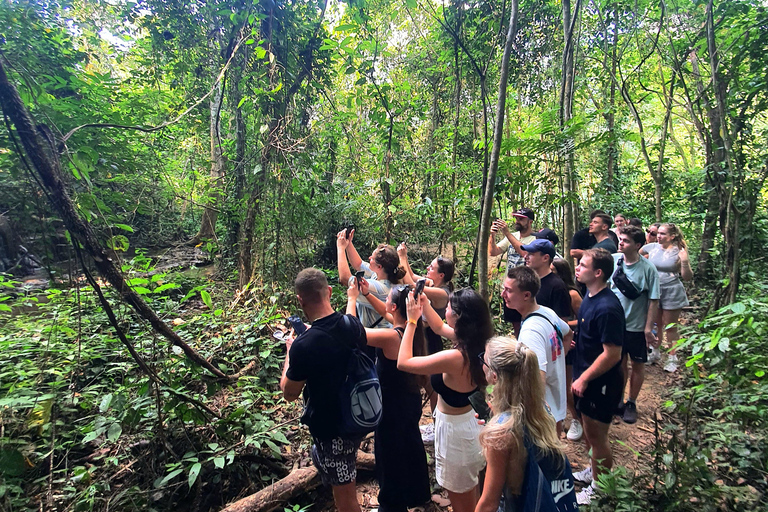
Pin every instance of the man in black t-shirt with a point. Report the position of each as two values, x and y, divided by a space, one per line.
316 362
583 240
553 292
598 383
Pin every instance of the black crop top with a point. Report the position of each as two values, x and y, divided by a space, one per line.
450 396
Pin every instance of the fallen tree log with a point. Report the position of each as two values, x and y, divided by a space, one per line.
298 482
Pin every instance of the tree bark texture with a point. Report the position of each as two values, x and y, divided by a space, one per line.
498 134
41 152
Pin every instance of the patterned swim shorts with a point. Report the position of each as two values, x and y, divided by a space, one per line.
335 460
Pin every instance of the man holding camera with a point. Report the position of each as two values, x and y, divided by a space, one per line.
636 283
513 243
316 362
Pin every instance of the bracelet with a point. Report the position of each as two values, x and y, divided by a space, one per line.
412 321
366 294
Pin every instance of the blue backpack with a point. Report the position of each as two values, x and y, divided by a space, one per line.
360 394
547 485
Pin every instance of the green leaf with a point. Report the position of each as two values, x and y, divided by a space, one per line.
114 432
206 298
193 472
170 476
346 26
124 227
12 462
260 52
411 4
5 307
106 400
166 286
760 373
280 437
219 462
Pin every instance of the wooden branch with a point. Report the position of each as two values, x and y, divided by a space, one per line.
298 482
46 162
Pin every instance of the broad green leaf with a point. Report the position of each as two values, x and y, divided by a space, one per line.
124 227
206 298
193 472
106 400
114 432
219 462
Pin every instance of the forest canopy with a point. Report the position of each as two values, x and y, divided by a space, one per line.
252 132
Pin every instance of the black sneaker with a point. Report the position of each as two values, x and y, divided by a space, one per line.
619 410
630 413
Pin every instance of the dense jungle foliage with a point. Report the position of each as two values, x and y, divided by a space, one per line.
248 133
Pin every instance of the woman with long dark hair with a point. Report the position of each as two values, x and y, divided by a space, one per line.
401 462
455 374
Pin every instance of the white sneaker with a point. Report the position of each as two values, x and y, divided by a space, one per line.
575 431
671 365
654 356
584 476
584 497
427 433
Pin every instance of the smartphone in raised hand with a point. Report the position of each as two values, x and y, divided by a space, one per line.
297 324
360 274
419 288
348 231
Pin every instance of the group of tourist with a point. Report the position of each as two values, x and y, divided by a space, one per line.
571 351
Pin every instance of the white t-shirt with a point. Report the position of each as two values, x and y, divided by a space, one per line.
538 334
513 257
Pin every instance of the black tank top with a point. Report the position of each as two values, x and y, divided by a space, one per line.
450 396
391 379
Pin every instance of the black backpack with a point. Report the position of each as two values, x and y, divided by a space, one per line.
360 394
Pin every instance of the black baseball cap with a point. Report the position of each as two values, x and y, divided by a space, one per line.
525 212
548 234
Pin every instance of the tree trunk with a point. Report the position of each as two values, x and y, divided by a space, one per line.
498 134
44 159
570 183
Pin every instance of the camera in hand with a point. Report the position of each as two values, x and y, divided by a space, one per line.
297 324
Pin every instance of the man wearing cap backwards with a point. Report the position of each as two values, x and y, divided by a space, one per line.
548 234
553 293
512 243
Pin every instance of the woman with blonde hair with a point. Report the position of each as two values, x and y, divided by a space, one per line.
670 257
527 469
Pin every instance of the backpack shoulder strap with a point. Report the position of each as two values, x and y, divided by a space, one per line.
555 327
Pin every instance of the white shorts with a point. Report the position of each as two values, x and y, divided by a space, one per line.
458 454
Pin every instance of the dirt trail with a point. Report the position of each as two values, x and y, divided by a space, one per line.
632 445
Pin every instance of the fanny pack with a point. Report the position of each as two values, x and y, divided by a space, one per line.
622 282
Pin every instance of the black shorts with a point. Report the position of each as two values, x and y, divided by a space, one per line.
335 460
511 315
601 398
635 346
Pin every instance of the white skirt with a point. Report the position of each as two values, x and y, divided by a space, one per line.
458 454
